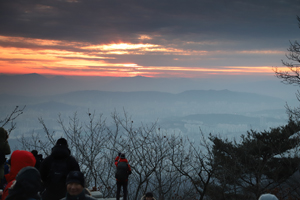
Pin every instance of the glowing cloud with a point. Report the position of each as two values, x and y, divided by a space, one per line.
26 55
145 37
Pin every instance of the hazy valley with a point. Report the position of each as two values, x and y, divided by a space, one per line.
224 112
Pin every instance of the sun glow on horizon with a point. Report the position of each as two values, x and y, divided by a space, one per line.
52 57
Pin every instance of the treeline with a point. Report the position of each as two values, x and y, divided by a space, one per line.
175 167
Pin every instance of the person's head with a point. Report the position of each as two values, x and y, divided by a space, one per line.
60 149
149 196
28 184
62 142
122 155
30 176
75 183
268 197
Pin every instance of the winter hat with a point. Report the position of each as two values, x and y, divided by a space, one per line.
30 174
62 141
122 155
28 180
75 177
149 194
267 197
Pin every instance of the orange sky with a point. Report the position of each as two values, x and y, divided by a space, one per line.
20 55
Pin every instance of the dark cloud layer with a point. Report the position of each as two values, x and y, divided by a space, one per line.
166 21
153 38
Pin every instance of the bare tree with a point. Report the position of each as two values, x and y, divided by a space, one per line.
155 157
42 144
149 154
9 119
88 141
144 150
292 74
195 162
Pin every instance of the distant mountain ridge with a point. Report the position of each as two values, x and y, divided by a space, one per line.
190 95
146 96
51 106
39 85
213 110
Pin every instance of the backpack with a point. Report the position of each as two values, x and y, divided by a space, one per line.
122 171
58 171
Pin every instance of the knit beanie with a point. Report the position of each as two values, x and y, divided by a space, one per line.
75 177
28 184
30 174
268 197
62 142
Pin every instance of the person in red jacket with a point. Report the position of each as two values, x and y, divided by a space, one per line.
122 173
19 159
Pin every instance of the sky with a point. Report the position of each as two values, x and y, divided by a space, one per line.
151 38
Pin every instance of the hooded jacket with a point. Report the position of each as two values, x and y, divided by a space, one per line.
60 153
4 148
19 160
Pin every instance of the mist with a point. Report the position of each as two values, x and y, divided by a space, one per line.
183 106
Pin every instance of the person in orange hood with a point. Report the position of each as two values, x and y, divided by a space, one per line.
19 160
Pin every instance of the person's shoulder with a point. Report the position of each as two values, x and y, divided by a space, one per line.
123 160
71 159
48 159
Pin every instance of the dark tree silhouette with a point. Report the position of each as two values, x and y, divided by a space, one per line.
261 162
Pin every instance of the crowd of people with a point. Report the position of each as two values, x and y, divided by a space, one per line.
27 176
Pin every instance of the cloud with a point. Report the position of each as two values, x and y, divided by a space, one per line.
169 20
169 36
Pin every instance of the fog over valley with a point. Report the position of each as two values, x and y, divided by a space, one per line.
213 108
